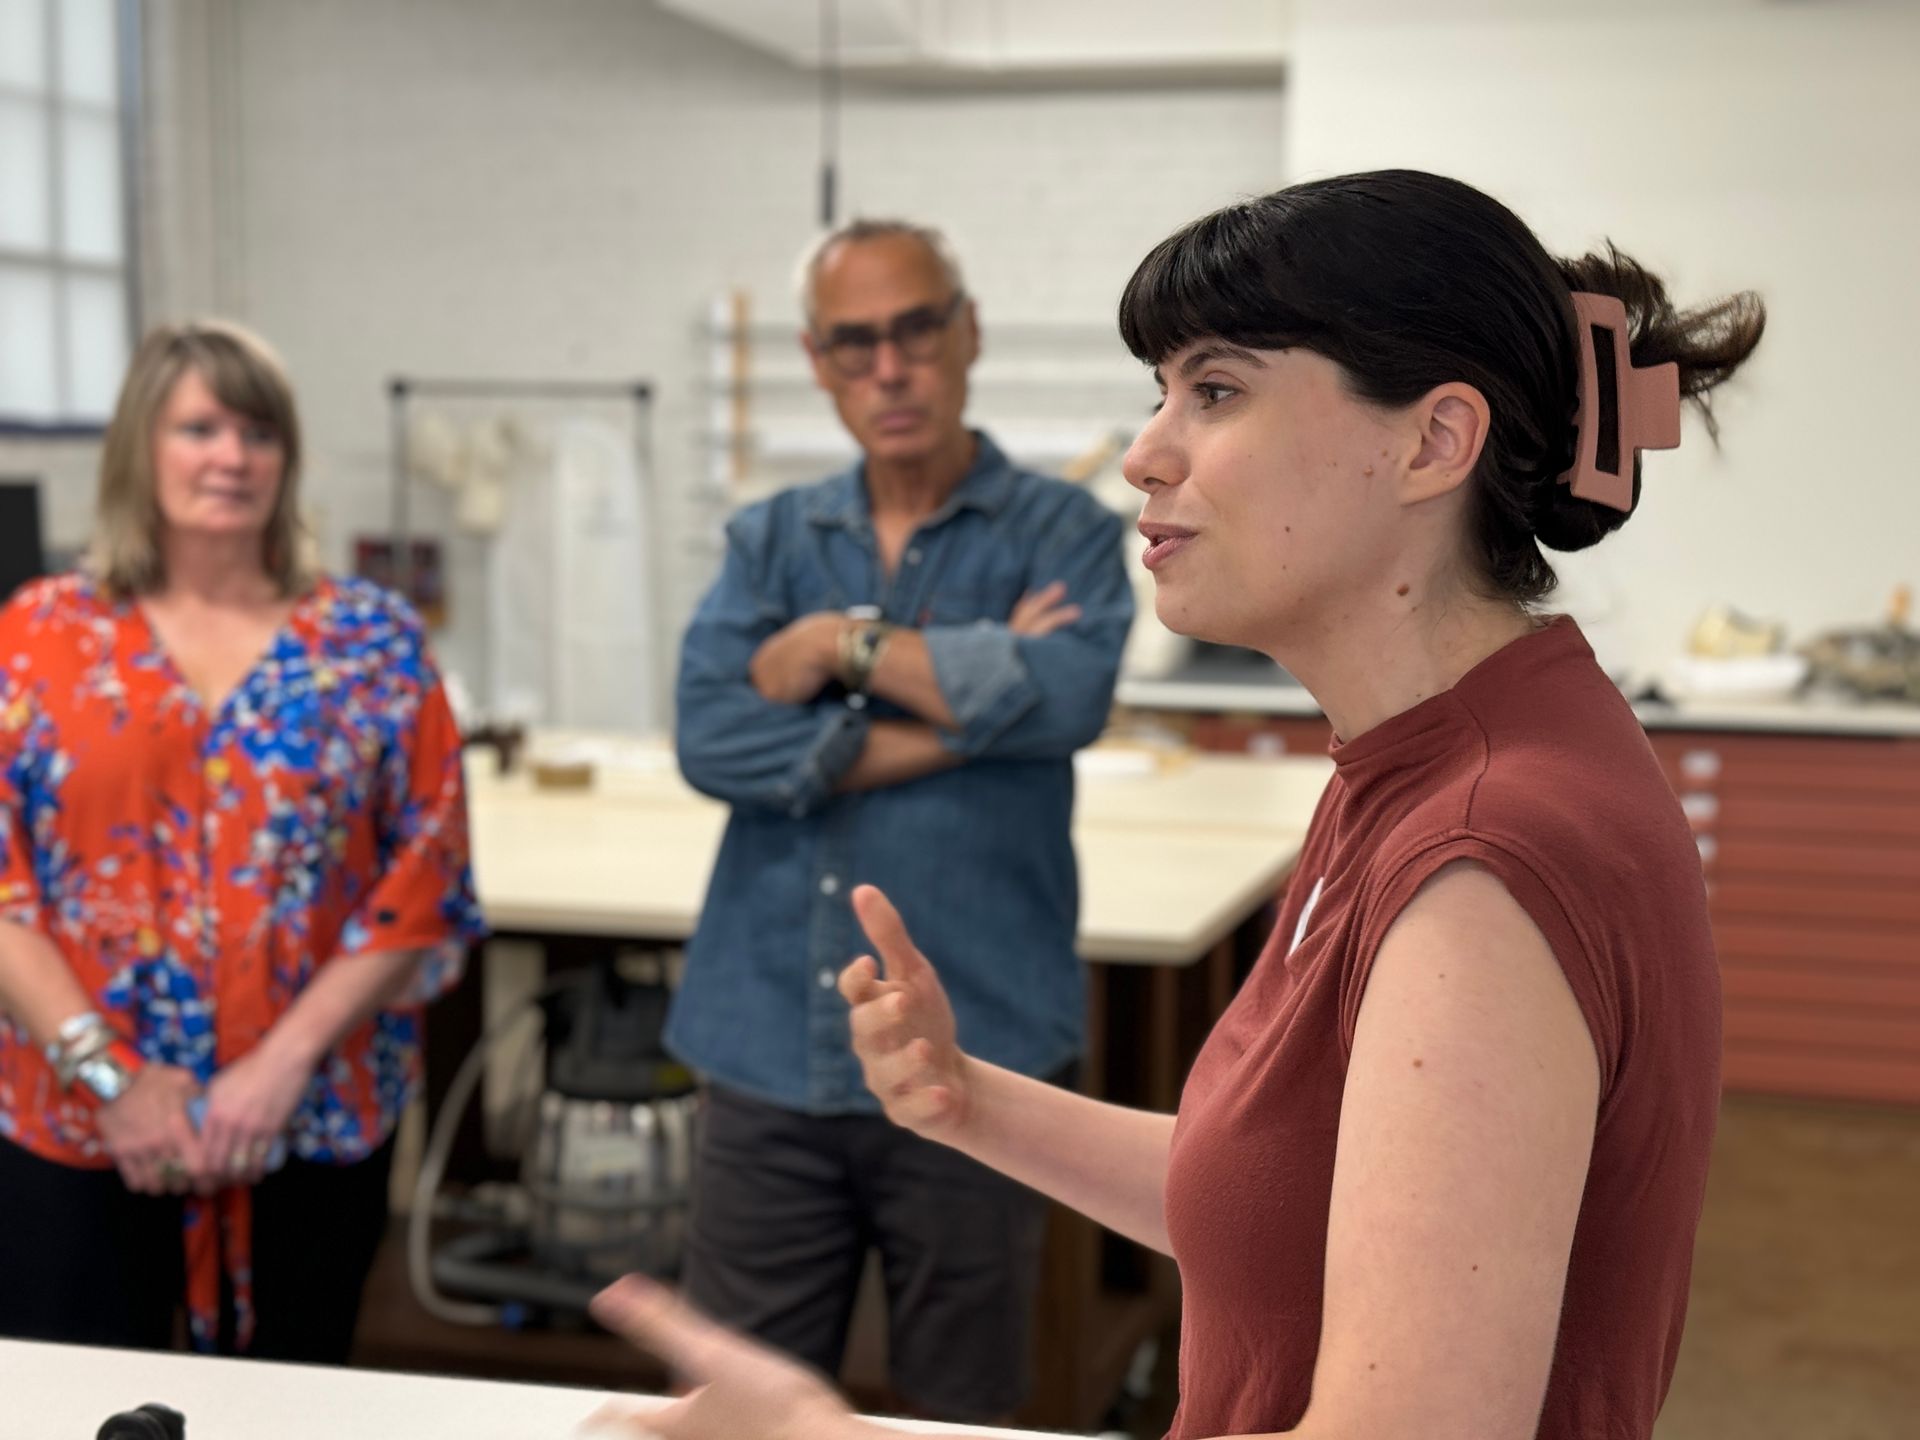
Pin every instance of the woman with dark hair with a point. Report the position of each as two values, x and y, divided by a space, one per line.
1438 1168
233 866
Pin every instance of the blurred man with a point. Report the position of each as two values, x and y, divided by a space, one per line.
888 683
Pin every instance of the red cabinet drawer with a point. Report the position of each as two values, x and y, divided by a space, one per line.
1814 988
1817 766
1750 897
1827 946
1798 1071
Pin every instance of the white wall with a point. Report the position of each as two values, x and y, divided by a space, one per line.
491 188
1728 144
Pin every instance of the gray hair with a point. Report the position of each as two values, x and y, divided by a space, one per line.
807 275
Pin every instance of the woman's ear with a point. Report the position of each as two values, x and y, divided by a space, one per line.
1452 420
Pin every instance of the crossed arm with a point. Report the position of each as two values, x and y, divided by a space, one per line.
754 727
796 663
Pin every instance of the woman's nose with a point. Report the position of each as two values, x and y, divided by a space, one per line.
229 447
1152 459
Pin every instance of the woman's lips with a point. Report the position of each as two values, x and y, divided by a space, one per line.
1162 542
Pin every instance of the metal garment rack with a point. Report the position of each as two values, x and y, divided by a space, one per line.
403 389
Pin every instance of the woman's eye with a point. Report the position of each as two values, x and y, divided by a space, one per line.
1211 394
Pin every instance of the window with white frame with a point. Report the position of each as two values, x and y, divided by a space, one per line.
65 264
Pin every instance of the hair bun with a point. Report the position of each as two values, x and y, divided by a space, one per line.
1563 521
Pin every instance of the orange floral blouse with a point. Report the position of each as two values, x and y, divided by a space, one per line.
196 868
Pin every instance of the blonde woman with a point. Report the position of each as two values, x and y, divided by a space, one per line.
233 865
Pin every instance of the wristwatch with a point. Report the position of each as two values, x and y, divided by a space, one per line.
861 645
106 1075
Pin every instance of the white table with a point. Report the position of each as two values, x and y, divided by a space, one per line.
64 1392
1175 852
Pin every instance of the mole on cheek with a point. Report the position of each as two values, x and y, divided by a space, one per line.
1403 590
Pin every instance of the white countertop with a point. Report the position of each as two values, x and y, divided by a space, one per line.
64 1392
1175 850
1786 717
1225 697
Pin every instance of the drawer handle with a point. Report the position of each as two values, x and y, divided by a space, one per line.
1700 764
1700 806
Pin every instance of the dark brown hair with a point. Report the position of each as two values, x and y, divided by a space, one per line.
1408 281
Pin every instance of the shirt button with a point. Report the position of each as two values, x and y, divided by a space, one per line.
829 884
913 556
856 701
825 977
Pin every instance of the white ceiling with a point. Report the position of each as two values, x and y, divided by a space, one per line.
987 40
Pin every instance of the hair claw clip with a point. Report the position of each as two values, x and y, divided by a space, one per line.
1622 411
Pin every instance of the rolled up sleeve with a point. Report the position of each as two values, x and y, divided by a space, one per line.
1043 697
423 899
733 743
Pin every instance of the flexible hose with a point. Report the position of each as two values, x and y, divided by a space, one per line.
433 1166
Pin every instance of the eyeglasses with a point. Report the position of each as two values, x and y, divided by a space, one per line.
916 334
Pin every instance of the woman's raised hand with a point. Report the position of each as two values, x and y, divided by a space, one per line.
903 1026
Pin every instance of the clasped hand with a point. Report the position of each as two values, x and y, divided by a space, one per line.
154 1143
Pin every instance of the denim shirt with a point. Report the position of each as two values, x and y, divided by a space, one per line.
978 858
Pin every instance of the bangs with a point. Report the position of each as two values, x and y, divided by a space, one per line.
245 380
1227 276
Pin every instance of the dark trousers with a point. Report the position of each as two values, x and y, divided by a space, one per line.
86 1261
786 1207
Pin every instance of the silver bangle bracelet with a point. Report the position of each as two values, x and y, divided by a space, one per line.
80 1038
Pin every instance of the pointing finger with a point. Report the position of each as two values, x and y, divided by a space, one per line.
652 1317
888 932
